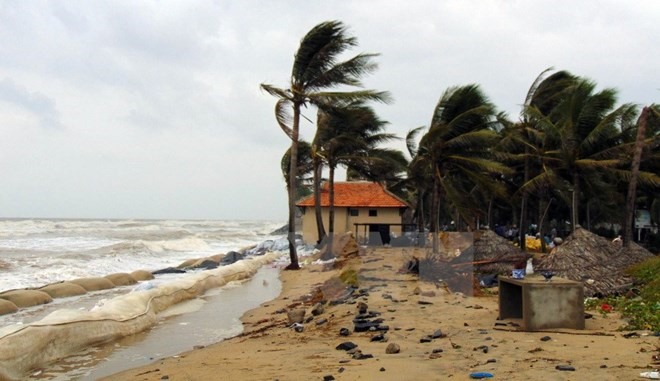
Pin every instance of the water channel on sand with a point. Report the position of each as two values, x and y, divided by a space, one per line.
198 322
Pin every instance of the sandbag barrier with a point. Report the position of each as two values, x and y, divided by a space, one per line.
66 331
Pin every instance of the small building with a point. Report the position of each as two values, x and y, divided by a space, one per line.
365 208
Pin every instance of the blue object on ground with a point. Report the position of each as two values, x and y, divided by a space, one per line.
480 375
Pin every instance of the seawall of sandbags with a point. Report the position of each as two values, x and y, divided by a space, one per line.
24 347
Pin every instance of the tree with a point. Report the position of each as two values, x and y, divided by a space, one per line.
316 71
457 146
350 135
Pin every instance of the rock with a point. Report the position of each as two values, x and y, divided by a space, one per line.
328 377
362 307
296 316
321 321
379 337
231 257
438 334
205 263
392 348
362 356
382 369
565 368
346 346
344 332
417 291
318 309
426 339
546 338
168 270
437 350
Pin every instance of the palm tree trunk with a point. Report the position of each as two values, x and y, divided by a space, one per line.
331 212
293 180
435 214
574 201
421 238
320 229
632 186
522 232
490 214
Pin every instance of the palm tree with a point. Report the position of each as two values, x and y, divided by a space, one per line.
315 72
304 168
457 146
640 142
523 142
579 133
349 135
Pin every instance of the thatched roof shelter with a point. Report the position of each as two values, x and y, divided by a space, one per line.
492 254
596 261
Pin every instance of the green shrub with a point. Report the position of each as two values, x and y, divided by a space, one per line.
349 277
641 312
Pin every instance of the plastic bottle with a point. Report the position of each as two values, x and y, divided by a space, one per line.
529 269
651 375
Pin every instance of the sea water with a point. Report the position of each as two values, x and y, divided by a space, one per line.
36 252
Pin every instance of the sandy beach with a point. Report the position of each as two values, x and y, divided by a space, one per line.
440 335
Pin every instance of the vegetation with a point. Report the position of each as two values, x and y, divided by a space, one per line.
316 72
573 157
642 310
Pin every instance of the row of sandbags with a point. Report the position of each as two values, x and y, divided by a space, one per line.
24 347
13 300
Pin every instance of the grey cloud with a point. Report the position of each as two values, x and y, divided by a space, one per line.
36 103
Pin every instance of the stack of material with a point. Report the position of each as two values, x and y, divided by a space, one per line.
343 246
492 254
595 261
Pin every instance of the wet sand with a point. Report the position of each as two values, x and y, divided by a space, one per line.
183 327
470 342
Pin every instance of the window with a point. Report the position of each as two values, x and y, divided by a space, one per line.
353 212
373 213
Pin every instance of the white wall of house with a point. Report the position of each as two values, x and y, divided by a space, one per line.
344 221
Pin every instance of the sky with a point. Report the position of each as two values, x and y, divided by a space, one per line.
152 109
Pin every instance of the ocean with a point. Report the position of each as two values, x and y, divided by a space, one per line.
37 252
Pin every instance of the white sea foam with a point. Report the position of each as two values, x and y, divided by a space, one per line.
35 252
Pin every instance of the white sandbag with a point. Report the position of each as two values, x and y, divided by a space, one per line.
67 331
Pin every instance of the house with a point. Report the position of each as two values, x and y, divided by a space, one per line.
365 208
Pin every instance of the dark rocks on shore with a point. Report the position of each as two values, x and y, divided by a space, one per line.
232 257
318 309
206 264
169 270
346 346
344 332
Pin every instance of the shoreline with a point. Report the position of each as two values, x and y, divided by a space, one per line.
268 349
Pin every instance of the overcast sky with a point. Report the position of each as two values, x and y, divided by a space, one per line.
152 109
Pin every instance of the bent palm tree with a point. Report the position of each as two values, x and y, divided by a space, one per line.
457 146
315 70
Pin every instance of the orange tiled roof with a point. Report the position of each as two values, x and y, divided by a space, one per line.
357 194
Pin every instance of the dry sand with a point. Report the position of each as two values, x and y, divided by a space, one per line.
270 350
